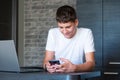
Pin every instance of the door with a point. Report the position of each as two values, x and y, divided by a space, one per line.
8 20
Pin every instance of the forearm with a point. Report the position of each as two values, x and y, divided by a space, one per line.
49 55
87 66
44 63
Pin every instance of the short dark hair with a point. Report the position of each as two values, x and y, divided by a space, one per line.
66 14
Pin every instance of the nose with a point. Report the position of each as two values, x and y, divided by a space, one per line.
64 30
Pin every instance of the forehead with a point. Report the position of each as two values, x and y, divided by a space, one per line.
65 24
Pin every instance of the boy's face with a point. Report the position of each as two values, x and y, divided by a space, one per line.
68 29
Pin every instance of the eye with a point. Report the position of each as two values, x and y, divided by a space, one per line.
61 27
68 27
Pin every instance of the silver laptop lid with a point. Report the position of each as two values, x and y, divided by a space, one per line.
8 56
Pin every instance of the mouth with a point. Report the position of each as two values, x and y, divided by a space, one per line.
67 35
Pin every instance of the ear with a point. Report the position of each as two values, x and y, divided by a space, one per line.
76 22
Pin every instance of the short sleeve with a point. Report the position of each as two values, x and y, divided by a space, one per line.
50 45
89 42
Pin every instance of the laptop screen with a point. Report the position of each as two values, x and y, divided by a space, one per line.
8 56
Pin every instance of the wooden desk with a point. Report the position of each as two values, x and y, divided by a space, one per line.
48 76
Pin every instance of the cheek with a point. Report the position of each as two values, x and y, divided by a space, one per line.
71 30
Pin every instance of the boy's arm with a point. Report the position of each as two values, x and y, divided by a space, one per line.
89 63
49 55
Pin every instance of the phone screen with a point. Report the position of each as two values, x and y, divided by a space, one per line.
53 62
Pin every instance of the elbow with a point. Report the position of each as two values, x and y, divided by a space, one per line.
92 66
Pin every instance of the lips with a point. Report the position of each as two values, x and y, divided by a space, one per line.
67 35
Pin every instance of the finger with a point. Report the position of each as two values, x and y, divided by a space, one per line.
58 66
47 64
60 70
51 70
64 60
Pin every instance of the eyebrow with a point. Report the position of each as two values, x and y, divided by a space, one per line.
66 26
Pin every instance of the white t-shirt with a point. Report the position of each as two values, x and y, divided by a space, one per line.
72 49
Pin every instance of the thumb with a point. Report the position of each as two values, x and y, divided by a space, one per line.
64 60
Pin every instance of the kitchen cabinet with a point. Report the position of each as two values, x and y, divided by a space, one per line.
111 44
103 17
111 29
90 15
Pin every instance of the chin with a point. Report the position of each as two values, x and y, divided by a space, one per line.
68 37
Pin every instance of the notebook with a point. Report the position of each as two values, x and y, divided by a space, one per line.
9 60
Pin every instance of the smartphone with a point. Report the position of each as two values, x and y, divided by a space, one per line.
53 62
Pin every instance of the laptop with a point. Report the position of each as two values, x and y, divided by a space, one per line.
9 60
